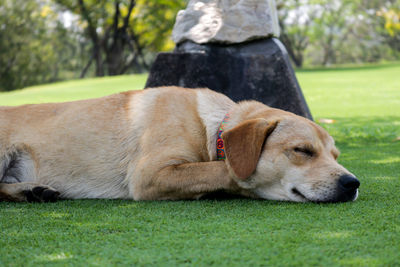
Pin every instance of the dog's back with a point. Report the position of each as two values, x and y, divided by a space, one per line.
89 148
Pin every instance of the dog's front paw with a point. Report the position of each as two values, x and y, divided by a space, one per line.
41 194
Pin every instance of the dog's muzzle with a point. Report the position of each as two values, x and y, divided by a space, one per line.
347 188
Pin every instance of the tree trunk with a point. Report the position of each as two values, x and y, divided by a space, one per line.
95 39
115 60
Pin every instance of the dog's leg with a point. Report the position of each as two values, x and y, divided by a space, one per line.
182 181
30 192
17 177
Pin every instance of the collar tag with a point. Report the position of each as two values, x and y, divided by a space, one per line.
220 141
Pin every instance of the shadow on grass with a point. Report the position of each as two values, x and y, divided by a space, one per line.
358 131
368 140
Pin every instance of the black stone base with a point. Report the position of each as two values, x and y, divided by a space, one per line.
258 70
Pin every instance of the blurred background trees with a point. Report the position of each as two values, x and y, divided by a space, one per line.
123 34
44 41
323 32
35 46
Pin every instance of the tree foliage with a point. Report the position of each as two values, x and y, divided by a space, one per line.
391 17
112 37
33 44
324 32
295 18
122 32
153 22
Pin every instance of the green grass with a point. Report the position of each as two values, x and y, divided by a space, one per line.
73 90
364 102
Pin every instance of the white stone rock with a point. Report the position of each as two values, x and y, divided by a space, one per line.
226 21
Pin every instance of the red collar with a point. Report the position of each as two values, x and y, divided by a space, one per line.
220 141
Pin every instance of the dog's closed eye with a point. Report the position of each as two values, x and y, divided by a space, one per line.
307 151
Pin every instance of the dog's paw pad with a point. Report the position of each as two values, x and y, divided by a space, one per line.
30 197
41 194
38 190
49 195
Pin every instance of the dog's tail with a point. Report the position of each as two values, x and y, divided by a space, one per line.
17 165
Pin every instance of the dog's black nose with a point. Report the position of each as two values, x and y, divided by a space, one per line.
348 182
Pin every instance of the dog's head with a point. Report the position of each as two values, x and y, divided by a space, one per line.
287 157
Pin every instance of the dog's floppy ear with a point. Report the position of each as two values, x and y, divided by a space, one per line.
243 145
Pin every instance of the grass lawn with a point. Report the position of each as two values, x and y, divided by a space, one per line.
365 104
73 90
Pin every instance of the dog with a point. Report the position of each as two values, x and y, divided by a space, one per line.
167 143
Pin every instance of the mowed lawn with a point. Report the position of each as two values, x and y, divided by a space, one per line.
363 102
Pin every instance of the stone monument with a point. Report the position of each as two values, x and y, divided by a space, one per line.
230 46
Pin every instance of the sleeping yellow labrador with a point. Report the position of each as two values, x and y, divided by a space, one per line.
167 143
